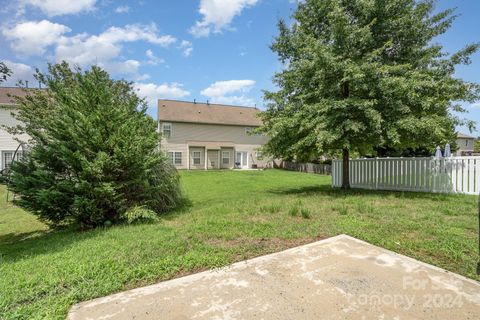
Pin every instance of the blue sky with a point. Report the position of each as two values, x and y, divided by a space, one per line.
214 50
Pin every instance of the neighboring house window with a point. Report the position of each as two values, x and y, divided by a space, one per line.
167 130
259 155
466 143
7 158
175 158
225 157
196 157
178 158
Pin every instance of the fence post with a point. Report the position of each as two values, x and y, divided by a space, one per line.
376 173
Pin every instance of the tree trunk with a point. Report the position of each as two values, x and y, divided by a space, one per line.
345 169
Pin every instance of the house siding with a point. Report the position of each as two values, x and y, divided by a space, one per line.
190 137
7 141
465 146
182 132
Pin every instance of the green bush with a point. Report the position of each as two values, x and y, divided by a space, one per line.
140 214
93 152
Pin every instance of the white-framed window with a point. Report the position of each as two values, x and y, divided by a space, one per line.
175 157
196 157
7 158
259 155
466 143
167 129
225 157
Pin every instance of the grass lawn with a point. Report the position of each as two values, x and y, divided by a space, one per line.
233 216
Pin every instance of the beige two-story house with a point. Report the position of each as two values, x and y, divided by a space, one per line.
210 136
465 144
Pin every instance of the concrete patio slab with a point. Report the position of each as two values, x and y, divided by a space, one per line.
336 278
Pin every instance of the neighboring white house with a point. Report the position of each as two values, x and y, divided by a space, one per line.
210 136
8 144
465 144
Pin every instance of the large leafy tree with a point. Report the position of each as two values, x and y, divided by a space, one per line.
364 75
93 153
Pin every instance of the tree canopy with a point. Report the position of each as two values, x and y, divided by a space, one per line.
93 151
359 75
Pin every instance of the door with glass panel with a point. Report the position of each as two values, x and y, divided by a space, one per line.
241 159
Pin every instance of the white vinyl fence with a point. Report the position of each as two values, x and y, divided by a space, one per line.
447 175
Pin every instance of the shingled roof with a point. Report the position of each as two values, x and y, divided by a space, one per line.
5 99
195 112
464 136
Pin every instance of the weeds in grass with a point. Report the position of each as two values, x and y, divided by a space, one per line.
364 208
343 210
305 212
293 211
271 208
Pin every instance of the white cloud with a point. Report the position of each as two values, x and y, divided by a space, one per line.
33 37
186 47
230 92
234 101
136 32
217 15
122 9
152 59
61 7
127 67
21 72
48 39
152 92
86 49
475 105
222 88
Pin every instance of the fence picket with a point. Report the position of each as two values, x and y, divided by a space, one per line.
464 176
477 176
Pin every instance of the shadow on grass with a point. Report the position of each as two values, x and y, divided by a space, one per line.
181 209
15 246
327 190
13 238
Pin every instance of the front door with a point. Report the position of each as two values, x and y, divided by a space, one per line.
241 160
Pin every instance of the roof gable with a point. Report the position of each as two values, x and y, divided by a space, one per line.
194 112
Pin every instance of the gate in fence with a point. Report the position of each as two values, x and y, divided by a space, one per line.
447 175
